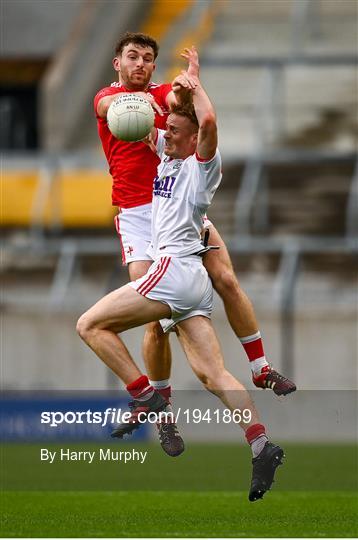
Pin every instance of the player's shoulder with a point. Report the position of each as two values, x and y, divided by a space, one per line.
114 88
152 85
154 88
216 158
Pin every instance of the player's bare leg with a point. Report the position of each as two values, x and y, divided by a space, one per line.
201 346
202 349
157 353
116 312
158 360
241 316
156 347
120 310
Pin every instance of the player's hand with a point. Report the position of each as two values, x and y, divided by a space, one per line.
157 108
191 55
184 82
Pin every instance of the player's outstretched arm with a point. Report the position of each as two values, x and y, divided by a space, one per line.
181 92
205 113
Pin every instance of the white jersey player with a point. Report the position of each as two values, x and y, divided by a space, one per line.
182 192
177 285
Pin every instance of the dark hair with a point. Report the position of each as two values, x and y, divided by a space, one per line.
143 40
187 111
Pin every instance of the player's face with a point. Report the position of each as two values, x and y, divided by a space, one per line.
135 66
180 137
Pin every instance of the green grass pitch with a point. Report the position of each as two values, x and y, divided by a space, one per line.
203 493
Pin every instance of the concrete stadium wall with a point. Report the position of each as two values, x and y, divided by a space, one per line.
43 351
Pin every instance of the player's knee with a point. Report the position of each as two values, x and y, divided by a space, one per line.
84 327
225 283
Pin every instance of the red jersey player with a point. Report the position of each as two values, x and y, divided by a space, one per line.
132 165
133 168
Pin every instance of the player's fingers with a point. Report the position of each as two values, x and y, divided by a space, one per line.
192 52
185 76
182 80
190 82
152 147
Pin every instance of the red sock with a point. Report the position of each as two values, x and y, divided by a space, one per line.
256 437
255 431
141 388
255 353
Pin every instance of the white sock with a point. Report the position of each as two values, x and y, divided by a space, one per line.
258 444
158 385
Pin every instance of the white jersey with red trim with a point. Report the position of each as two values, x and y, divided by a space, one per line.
182 192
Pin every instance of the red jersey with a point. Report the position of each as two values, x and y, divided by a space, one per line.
133 165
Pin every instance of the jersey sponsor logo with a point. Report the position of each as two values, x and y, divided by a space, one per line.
163 186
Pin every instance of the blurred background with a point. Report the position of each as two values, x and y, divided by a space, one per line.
283 77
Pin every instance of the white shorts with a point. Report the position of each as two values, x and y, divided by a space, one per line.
182 283
133 226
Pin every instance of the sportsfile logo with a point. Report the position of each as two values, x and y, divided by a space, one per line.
103 418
